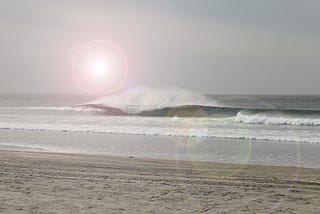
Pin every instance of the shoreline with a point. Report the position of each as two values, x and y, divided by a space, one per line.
43 182
168 148
151 159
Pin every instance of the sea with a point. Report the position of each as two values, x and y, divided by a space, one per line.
167 123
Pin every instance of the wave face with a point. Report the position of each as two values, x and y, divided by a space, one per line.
248 116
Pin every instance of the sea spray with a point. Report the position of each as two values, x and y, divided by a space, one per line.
141 99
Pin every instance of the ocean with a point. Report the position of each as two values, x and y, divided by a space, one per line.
167 123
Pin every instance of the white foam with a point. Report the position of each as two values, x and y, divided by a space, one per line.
64 108
275 119
162 126
145 98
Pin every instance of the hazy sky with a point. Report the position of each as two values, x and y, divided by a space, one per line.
225 46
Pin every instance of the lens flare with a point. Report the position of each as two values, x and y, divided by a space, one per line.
99 67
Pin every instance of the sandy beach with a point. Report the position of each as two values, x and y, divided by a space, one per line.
66 183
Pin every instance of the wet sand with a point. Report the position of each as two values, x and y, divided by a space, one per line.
66 183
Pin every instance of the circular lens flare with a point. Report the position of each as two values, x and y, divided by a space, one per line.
99 67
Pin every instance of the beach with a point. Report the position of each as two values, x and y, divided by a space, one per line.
32 182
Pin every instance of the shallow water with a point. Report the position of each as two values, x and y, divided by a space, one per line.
158 147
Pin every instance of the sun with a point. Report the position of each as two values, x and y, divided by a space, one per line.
100 68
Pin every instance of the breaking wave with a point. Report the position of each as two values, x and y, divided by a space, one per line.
175 102
279 117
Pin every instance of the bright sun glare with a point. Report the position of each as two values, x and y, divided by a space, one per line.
100 68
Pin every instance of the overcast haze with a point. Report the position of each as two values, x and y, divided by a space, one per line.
216 47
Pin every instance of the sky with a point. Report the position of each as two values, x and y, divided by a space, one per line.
210 46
